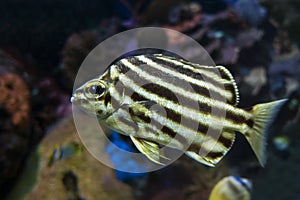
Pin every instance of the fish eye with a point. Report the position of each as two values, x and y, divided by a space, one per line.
94 90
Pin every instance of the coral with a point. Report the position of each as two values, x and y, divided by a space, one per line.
14 98
177 15
14 120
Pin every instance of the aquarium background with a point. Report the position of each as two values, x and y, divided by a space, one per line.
43 43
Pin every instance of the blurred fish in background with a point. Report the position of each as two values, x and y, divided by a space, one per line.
232 188
63 152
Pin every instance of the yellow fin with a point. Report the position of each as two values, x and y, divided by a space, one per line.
148 148
198 158
263 115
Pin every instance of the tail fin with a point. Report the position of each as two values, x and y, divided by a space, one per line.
263 115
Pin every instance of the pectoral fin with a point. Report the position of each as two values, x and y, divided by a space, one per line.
148 148
140 112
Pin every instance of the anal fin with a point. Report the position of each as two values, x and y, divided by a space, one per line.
148 148
198 158
213 148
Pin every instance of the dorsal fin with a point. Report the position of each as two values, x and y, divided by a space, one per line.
226 75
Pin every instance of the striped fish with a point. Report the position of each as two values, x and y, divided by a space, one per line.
232 188
161 100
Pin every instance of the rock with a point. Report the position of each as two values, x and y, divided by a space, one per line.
79 176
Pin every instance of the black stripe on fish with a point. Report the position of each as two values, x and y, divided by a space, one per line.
203 108
188 72
177 83
170 114
141 116
226 141
215 134
234 188
162 92
198 89
239 119
210 154
215 155
222 73
107 99
165 130
128 123
234 98
173 134
219 71
123 69
223 86
135 61
210 94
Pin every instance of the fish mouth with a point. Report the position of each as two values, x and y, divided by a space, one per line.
75 97
72 99
78 101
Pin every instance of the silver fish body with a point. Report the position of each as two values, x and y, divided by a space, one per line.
160 100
